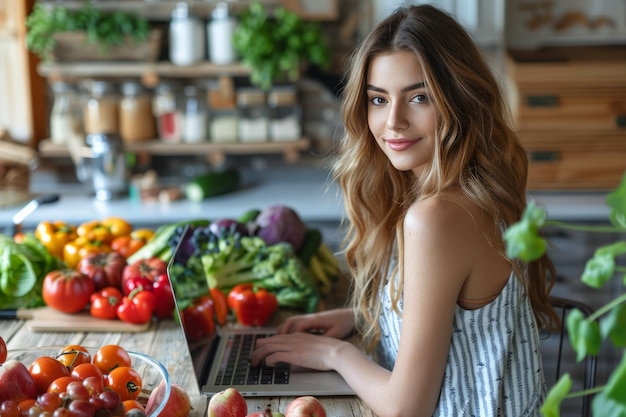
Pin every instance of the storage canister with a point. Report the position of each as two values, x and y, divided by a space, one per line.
285 114
168 116
64 116
195 115
253 115
224 115
187 36
101 109
220 32
137 122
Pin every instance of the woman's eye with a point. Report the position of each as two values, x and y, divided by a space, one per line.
420 98
377 101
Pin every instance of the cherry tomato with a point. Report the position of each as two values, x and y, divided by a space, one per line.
3 350
45 370
59 385
125 381
109 357
73 355
27 404
67 290
131 405
85 370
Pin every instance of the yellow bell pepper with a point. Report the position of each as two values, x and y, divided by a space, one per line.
82 246
54 235
105 230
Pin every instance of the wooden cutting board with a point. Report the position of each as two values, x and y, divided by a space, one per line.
46 319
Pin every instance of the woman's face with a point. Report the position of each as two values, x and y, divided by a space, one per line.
400 113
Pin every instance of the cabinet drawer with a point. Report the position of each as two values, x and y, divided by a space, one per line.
559 170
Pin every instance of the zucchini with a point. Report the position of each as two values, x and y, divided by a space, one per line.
212 184
249 216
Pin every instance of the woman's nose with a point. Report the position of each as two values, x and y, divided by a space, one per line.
396 119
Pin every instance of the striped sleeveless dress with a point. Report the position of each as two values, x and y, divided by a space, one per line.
494 365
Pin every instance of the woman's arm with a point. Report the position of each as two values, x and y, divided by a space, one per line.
337 323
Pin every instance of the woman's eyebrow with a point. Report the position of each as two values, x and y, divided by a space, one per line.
405 89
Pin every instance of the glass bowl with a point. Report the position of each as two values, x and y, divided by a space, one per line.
152 372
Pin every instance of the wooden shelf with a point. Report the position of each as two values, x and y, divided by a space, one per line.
144 70
215 151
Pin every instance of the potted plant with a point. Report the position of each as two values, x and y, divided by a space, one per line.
607 324
277 46
59 33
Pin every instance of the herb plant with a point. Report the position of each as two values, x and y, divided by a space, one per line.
105 29
608 323
276 46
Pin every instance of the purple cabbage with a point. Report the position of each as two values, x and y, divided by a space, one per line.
281 224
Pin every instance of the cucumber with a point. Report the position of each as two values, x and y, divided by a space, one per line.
249 216
212 184
312 241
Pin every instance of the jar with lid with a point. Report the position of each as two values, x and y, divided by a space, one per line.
187 36
64 115
136 119
220 31
285 114
224 114
101 109
253 115
195 115
167 114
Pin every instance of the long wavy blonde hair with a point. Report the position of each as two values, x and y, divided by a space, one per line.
476 148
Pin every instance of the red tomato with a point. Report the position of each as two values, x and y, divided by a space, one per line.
59 385
85 370
144 268
45 370
3 350
109 357
67 290
104 303
125 381
105 269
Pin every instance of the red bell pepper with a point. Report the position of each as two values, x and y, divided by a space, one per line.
198 318
163 297
252 307
141 283
137 307
104 303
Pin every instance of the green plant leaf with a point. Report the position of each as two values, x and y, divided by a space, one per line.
616 385
607 407
584 334
522 238
601 268
552 405
616 200
613 326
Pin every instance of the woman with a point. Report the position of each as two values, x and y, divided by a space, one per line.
431 173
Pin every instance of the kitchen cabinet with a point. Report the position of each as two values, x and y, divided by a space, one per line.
152 72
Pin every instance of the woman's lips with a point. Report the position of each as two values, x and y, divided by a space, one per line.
400 144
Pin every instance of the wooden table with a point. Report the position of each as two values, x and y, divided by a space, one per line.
164 342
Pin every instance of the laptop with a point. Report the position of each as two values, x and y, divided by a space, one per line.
221 359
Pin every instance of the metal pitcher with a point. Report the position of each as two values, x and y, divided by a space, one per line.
106 165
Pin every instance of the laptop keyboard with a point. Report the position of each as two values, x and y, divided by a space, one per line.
237 370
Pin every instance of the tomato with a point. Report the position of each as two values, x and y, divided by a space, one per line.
67 290
3 350
131 405
104 269
45 370
59 385
125 381
73 355
104 303
85 370
147 268
109 357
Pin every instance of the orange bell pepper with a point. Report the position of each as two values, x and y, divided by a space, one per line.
54 235
128 244
80 247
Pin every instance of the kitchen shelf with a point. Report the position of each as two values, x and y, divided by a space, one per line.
215 151
148 71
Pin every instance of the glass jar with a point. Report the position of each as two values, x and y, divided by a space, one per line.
285 114
167 114
187 36
136 119
220 31
195 115
224 115
64 115
253 115
101 109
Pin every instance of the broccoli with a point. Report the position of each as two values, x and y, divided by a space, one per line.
231 259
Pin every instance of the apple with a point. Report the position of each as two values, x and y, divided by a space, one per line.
16 383
228 403
306 406
178 404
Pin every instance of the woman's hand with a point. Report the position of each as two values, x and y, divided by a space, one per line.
300 349
332 323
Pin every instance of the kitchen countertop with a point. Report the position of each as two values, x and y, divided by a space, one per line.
307 190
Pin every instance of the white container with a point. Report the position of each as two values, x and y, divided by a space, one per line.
187 38
220 32
195 116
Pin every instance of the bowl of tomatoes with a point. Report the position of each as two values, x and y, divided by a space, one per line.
74 380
